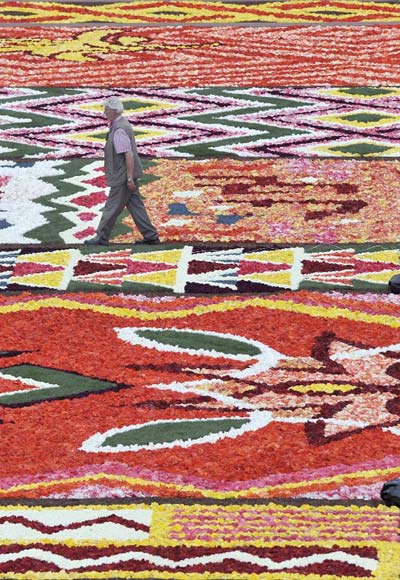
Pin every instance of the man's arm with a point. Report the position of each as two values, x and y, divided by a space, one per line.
129 169
122 144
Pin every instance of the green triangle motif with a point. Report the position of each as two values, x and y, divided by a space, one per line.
58 384
360 149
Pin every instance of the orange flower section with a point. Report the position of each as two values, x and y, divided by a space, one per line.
196 56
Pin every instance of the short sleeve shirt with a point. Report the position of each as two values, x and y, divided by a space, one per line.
122 142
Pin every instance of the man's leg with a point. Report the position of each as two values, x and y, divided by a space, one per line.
140 216
115 203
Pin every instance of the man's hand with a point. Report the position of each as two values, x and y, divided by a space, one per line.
129 170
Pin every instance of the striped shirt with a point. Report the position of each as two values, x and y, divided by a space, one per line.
122 143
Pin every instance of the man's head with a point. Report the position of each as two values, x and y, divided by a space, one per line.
113 108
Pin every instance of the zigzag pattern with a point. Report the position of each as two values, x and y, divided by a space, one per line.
190 560
189 56
204 521
193 11
43 528
328 201
355 122
170 547
84 525
197 269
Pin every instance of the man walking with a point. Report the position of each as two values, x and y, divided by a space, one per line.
122 168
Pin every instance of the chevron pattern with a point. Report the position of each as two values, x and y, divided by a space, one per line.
346 122
191 561
124 541
189 56
193 11
83 523
198 269
7 264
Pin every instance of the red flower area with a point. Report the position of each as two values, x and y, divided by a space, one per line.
47 436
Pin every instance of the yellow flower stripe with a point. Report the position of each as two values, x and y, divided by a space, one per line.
332 312
166 518
147 11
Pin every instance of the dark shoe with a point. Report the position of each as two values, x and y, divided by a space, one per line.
154 242
96 241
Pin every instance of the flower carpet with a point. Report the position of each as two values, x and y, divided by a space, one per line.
281 201
359 122
200 269
193 56
109 400
162 540
170 408
200 12
170 396
223 406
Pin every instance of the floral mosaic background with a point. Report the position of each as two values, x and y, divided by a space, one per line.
223 406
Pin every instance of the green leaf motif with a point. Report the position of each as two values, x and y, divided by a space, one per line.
200 341
57 385
165 432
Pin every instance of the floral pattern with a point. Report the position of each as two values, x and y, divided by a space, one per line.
244 435
214 380
189 56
